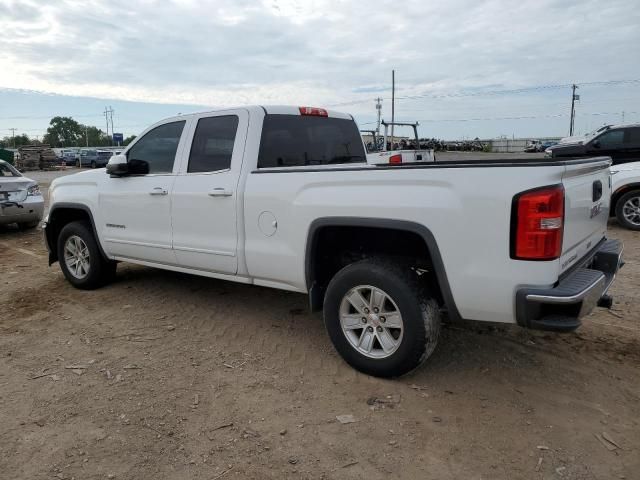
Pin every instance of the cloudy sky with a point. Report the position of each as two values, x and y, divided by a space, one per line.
464 68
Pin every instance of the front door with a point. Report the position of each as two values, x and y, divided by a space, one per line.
205 194
609 144
136 209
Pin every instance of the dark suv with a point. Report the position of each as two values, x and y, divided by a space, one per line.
620 142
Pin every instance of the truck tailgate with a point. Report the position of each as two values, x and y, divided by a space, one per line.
587 198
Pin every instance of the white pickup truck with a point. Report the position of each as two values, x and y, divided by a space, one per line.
283 197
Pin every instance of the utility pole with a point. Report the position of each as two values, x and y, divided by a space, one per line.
393 103
379 109
574 97
13 136
112 130
106 117
86 134
622 116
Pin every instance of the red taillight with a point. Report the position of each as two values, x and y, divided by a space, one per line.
395 158
313 111
538 224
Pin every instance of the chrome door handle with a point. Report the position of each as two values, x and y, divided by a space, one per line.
158 191
220 192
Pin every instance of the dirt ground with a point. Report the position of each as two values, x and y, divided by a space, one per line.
164 375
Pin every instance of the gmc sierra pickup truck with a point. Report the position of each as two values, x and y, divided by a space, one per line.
283 197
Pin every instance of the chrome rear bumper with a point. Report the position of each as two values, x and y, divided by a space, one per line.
576 295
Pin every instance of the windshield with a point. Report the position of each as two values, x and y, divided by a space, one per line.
7 170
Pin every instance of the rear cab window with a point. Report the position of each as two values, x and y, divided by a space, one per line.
301 140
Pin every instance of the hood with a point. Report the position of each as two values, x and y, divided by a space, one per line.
565 149
87 176
11 184
624 167
574 139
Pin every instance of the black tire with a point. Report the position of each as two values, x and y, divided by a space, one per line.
419 310
100 272
620 204
93 164
28 225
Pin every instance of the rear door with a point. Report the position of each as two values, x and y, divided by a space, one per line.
631 145
206 196
587 198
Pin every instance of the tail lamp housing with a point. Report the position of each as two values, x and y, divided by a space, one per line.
395 159
537 224
313 111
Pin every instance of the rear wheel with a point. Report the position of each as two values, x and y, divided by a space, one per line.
93 164
628 210
80 258
380 317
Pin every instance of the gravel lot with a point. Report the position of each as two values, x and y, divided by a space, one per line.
164 375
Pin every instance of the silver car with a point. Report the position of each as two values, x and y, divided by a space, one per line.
20 199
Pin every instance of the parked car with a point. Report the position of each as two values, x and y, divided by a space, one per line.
625 201
283 197
578 138
533 146
620 142
20 199
545 145
94 158
70 157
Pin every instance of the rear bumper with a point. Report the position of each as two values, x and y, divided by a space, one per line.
561 307
28 211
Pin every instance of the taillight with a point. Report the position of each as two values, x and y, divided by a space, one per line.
313 111
395 158
537 224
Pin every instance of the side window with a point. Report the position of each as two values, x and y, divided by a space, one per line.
157 149
212 145
632 137
297 140
611 139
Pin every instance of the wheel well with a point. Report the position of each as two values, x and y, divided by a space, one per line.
621 191
58 218
336 246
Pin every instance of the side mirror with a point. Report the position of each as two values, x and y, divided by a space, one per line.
118 166
595 144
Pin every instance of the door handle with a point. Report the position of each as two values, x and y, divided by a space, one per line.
158 191
220 192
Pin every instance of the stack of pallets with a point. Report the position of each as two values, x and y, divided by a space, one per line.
36 157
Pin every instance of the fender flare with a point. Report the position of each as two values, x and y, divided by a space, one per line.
49 233
391 224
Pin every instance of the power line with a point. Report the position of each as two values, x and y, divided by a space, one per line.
495 92
523 117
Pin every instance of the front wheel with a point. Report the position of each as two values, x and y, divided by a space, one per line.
628 210
380 317
80 259
93 164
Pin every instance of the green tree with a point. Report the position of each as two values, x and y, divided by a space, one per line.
18 141
64 132
94 136
128 140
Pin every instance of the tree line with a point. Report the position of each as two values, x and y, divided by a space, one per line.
65 132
